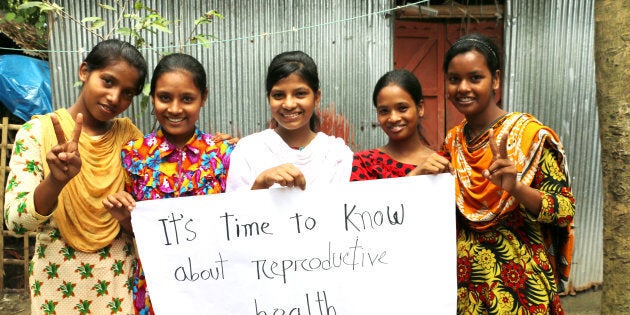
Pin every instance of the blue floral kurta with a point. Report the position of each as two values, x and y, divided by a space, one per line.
157 169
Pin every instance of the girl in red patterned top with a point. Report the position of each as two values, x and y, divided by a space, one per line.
399 107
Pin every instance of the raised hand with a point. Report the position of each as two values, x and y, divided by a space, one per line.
64 159
119 206
502 170
433 164
286 175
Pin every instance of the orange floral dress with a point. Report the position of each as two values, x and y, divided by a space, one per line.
510 262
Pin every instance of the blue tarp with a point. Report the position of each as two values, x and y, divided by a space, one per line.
25 86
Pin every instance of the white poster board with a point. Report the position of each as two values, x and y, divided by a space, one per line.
362 248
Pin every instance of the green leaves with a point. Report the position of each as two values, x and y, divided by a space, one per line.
201 39
132 21
143 19
43 6
95 21
10 16
107 7
208 17
146 98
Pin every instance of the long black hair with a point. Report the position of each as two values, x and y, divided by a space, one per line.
112 50
184 62
482 44
299 63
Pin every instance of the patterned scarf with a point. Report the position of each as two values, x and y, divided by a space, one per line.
485 205
82 220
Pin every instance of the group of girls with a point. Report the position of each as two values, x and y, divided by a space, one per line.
513 196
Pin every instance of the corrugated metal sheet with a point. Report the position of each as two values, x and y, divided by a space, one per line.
351 47
551 73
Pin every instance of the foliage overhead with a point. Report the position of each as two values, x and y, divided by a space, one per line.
132 22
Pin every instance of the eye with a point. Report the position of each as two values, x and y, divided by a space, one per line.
301 94
188 99
382 111
277 95
129 93
476 78
164 98
453 79
403 108
107 81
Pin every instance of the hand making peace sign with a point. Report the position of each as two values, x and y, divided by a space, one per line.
63 159
502 170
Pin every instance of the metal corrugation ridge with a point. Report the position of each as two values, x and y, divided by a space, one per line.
550 73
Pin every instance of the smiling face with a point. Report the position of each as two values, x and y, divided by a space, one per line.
292 103
177 102
108 91
471 86
397 113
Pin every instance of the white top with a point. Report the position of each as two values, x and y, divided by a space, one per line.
325 160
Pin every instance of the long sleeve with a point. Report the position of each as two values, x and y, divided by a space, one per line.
558 204
344 168
240 175
27 171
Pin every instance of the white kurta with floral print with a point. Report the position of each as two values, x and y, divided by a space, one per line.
63 280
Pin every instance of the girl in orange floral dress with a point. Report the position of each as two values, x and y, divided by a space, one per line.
515 206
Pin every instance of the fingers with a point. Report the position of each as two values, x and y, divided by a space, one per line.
119 200
78 126
500 151
67 152
503 154
498 168
290 176
499 154
61 137
54 161
220 137
433 164
441 160
286 175
300 181
493 145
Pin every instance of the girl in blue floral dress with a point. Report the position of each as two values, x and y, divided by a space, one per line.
176 160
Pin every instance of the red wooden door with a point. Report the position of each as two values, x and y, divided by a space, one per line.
419 47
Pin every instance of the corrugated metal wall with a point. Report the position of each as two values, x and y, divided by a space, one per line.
550 72
351 46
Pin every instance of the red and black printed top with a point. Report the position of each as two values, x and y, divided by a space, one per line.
375 164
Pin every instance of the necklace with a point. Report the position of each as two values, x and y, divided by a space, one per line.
482 137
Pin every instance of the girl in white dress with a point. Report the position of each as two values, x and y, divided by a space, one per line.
292 153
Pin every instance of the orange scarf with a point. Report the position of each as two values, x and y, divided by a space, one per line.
483 204
80 216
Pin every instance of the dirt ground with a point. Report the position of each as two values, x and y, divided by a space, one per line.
584 303
15 304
